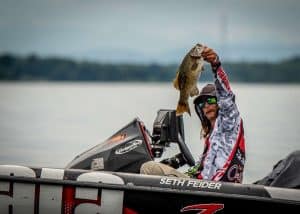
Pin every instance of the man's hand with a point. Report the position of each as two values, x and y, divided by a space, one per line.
194 171
175 161
210 56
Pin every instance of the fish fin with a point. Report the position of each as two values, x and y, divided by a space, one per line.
181 108
181 80
194 92
175 82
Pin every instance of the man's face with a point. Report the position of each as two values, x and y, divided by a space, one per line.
209 107
210 111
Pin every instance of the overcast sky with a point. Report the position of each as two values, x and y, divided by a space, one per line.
150 30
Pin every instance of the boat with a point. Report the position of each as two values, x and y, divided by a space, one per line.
105 179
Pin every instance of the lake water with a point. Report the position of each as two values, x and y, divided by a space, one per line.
48 124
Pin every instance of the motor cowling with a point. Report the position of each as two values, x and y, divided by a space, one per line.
125 151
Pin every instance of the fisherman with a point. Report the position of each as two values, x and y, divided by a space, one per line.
223 157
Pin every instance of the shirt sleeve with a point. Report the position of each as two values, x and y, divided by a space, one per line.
228 112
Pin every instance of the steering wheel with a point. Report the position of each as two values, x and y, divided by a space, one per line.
185 151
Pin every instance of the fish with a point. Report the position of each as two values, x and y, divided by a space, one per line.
187 76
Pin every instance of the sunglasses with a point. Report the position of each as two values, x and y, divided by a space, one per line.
208 100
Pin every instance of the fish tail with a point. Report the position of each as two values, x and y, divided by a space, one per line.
181 108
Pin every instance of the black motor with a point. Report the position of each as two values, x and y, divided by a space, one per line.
285 173
132 146
125 151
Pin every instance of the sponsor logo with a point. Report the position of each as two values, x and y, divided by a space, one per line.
97 164
203 208
235 173
128 147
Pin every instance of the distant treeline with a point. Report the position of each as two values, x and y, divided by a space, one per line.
34 68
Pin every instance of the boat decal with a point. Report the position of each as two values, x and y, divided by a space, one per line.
117 138
194 183
203 208
57 198
97 164
128 147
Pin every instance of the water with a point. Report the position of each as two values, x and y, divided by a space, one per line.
48 124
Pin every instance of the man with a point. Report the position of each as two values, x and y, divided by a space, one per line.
223 157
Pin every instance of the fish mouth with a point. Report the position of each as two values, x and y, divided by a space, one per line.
196 55
196 52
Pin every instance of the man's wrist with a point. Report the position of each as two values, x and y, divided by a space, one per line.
215 64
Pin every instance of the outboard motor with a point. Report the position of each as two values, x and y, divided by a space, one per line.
132 146
285 173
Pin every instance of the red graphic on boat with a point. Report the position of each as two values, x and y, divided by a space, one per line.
203 208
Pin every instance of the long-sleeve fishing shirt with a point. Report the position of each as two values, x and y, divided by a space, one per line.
224 151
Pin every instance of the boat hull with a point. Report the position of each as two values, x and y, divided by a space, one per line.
48 190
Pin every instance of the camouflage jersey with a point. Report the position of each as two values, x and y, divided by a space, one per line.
223 157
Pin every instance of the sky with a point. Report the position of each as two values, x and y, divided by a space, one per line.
155 31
